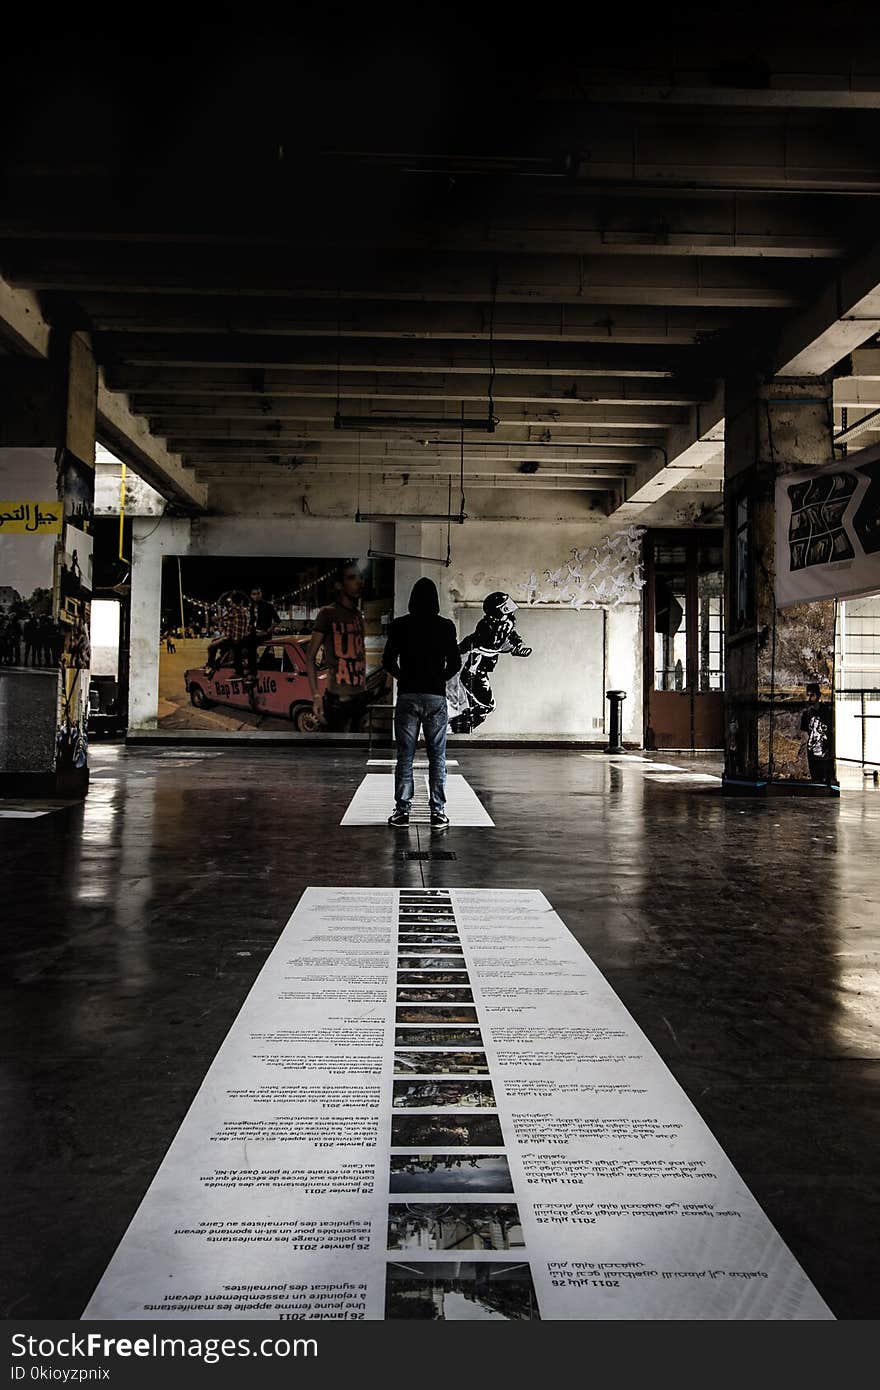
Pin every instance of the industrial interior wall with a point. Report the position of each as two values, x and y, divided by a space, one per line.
577 652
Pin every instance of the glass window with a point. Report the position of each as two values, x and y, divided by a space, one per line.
670 617
269 659
105 637
710 618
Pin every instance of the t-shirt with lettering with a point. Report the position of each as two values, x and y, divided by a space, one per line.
344 651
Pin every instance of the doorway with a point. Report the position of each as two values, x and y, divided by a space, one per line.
684 639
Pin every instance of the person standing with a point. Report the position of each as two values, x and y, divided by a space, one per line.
339 628
422 654
262 618
228 648
816 722
31 641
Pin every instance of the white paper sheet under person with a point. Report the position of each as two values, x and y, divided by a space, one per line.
419 763
367 806
601 1194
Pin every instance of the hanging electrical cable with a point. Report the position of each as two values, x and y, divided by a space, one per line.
337 418
461 511
490 422
449 525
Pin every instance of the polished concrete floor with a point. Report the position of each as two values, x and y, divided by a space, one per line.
743 935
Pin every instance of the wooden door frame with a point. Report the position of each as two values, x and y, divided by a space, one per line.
689 537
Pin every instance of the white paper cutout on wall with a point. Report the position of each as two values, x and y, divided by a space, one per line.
598 576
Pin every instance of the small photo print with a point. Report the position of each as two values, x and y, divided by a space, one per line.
438 1037
411 905
439 924
430 1063
433 977
458 1226
425 915
436 1013
429 938
440 1173
440 1095
460 1291
425 994
457 1129
426 909
444 925
425 960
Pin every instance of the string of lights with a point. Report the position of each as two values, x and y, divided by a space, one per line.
213 608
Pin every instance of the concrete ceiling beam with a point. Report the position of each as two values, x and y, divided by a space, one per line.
296 440
451 276
22 324
563 219
571 323
432 467
589 145
623 455
844 316
690 447
779 90
239 400
175 355
511 420
488 484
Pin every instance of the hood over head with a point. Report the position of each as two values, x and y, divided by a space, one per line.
424 601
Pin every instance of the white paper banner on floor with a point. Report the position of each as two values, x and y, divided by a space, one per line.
432 1104
373 802
827 536
418 762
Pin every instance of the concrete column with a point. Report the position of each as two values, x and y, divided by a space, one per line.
150 542
772 427
47 479
417 538
623 666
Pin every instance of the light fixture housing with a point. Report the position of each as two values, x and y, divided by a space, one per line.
458 517
485 424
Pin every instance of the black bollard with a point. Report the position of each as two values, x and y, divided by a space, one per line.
616 699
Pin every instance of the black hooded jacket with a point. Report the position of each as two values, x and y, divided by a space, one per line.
422 648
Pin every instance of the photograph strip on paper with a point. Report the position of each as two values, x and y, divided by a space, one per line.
371 1143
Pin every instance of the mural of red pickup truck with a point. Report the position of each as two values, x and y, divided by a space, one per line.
282 687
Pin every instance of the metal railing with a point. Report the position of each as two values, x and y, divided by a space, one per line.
862 696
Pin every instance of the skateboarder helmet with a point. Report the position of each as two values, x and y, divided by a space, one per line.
498 605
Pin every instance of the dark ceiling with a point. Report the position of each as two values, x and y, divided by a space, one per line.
280 225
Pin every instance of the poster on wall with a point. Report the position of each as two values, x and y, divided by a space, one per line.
235 632
828 531
73 613
30 636
432 1106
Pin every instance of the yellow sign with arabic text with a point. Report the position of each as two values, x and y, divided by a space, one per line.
30 518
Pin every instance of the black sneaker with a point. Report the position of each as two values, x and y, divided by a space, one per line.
398 817
439 818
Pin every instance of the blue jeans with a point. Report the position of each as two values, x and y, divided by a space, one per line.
429 711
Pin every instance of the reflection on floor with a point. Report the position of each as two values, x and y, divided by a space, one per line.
744 936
